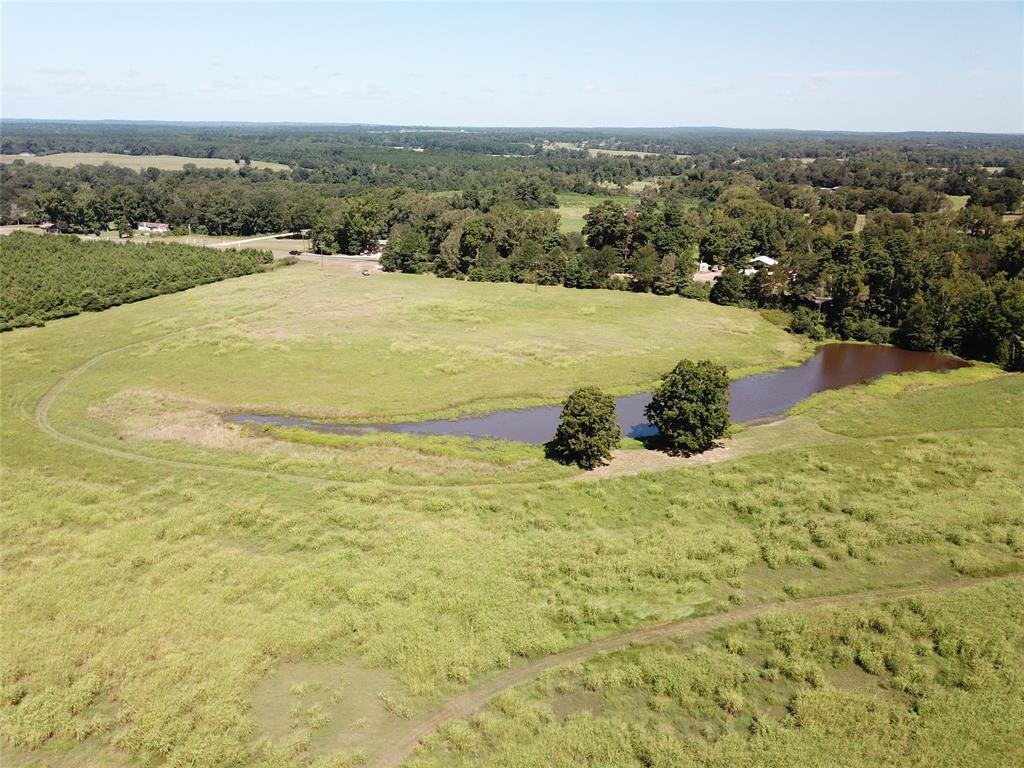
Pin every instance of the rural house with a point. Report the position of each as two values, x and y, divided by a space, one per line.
757 261
154 227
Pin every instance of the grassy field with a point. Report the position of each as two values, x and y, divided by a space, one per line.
572 207
183 592
957 202
595 151
135 162
933 681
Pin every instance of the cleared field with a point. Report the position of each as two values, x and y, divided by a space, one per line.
176 591
136 162
393 346
957 202
596 151
572 207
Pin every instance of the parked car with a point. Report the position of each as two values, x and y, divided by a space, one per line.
294 253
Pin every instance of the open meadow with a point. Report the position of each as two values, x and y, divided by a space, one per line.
432 392
136 162
185 591
572 207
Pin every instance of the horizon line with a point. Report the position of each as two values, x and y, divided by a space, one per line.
457 127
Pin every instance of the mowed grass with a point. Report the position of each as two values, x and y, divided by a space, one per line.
137 162
161 581
388 346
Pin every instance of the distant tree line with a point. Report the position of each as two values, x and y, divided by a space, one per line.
292 144
909 238
649 247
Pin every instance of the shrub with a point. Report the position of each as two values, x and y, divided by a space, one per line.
805 321
691 290
588 430
690 407
728 288
867 329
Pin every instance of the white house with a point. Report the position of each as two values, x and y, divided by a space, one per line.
154 227
767 261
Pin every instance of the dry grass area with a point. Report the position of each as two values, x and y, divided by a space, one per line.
340 345
309 710
136 162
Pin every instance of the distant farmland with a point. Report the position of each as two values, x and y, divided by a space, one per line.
135 162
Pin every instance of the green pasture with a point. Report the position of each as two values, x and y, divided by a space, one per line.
177 591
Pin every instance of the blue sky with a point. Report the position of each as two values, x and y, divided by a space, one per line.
828 65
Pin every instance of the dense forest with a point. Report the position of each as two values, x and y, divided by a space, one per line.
910 238
46 277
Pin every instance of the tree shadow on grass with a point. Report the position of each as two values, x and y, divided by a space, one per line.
657 442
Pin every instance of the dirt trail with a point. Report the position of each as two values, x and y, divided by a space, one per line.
465 704
41 416
235 243
624 463
624 466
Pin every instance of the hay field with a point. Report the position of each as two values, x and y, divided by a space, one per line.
136 162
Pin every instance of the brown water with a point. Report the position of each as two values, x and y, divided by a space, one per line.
753 398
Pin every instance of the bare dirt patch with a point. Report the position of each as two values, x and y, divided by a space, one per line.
150 415
790 432
575 702
632 462
323 709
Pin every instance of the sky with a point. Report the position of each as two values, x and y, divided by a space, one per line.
824 66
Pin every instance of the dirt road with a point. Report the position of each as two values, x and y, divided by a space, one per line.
234 243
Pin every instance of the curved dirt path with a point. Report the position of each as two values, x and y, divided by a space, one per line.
41 413
625 463
42 422
465 704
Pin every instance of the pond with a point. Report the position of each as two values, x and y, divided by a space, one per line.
754 398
